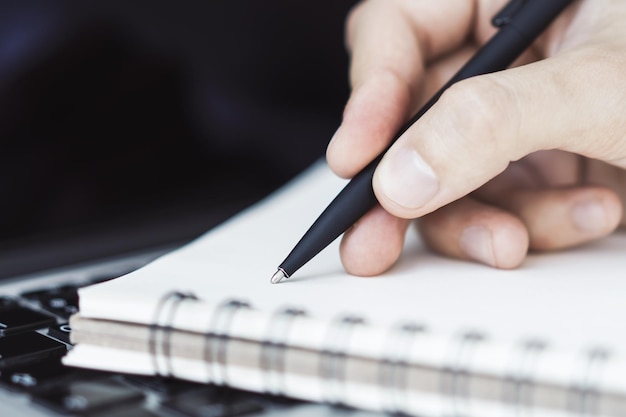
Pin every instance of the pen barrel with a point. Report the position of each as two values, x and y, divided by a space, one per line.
356 199
535 16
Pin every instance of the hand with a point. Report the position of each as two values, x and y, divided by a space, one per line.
533 157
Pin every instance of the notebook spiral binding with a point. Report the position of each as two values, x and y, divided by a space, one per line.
273 349
585 395
518 384
393 369
455 378
333 357
159 337
520 389
216 340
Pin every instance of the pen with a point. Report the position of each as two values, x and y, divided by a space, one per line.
519 22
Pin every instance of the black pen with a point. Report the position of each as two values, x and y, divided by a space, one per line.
520 22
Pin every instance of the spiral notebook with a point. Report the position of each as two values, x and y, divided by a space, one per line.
431 337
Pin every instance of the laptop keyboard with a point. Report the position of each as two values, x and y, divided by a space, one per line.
34 336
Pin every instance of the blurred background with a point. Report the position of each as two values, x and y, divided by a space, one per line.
127 124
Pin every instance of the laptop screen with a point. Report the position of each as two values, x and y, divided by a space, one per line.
128 126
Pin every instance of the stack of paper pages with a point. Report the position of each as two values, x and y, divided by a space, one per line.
431 337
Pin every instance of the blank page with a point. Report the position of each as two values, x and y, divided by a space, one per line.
575 297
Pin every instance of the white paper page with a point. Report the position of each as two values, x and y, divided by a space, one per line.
573 297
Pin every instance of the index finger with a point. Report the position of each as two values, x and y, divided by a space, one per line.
400 36
390 42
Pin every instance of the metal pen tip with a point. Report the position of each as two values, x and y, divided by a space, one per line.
278 276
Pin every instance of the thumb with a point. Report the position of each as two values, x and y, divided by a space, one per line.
481 124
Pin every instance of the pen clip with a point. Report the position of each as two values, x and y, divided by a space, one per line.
507 13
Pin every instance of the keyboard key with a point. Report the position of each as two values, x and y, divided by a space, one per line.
6 302
84 395
61 332
15 318
61 301
24 348
33 376
164 387
213 402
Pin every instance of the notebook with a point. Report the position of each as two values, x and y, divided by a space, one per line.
431 337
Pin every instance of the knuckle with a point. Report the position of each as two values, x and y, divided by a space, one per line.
477 112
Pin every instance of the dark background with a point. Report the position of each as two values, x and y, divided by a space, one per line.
129 124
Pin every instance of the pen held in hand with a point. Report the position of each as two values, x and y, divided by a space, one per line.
520 22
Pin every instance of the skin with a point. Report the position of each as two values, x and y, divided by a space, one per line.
532 158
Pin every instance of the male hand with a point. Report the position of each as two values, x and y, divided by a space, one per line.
533 157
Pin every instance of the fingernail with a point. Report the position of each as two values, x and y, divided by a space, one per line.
589 216
477 244
406 179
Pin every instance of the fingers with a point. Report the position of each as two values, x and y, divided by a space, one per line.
562 218
610 177
550 219
402 35
471 230
482 124
373 114
374 243
376 111
499 236
389 43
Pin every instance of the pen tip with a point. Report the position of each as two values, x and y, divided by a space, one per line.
278 276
